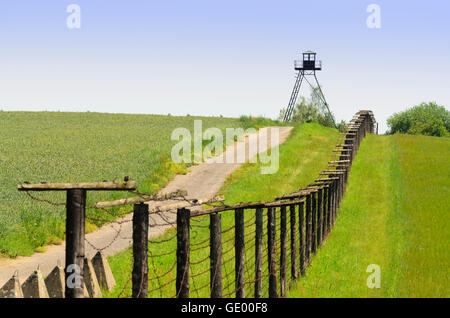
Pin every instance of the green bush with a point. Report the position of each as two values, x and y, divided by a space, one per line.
425 119
258 122
311 110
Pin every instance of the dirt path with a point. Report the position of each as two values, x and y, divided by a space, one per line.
202 181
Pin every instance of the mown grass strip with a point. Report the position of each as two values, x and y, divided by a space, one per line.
392 215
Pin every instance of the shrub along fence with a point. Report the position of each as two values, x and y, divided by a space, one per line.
255 249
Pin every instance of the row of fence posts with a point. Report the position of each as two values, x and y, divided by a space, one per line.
311 221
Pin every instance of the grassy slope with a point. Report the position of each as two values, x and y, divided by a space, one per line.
69 147
302 157
393 215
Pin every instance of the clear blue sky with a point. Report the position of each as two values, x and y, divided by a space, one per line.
221 57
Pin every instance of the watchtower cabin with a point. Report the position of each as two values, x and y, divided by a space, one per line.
309 62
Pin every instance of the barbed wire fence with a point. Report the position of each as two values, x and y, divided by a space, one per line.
253 249
257 249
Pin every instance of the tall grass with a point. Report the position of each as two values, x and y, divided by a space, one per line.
424 203
393 215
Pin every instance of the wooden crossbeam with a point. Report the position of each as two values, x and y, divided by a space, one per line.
94 186
249 205
331 172
327 179
284 203
319 184
318 187
296 194
341 150
144 198
339 161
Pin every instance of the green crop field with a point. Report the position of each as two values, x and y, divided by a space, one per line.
79 147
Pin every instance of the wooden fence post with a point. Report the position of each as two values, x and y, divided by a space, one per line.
75 225
333 202
239 252
140 251
314 222
283 256
330 206
75 216
272 262
183 252
341 188
338 194
325 212
339 191
301 234
215 225
308 221
319 216
294 272
258 252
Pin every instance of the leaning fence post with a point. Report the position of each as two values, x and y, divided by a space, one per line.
340 189
272 262
239 252
336 206
283 257
216 255
308 239
258 252
325 212
314 222
140 251
294 273
330 206
333 200
183 253
75 217
301 232
319 217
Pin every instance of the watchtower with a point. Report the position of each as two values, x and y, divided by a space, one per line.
305 67
309 62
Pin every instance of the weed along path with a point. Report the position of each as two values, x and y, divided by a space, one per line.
203 181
